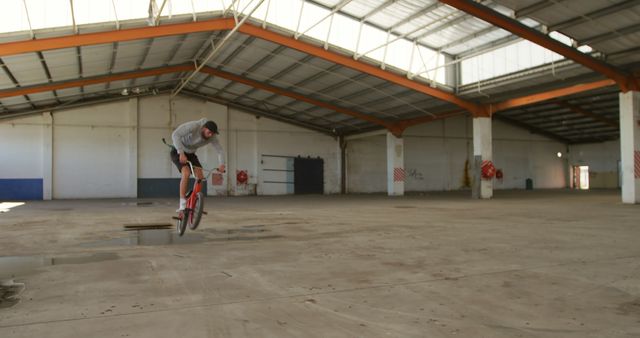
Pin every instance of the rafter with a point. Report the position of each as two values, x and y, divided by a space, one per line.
624 80
578 110
280 91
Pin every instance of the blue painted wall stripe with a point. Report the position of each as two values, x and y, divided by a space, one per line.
14 189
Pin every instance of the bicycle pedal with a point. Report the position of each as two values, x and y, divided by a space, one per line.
205 213
176 218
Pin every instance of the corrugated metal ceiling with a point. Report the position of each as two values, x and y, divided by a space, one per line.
615 33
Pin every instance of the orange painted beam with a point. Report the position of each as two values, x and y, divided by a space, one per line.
18 47
67 41
349 62
425 119
185 68
398 128
299 97
93 80
625 81
552 94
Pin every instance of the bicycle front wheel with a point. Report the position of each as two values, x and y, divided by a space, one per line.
181 222
197 211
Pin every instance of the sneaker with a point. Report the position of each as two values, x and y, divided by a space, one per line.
183 205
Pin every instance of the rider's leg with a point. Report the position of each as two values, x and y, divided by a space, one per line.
198 171
184 182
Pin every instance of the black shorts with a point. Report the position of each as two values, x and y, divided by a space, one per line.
175 158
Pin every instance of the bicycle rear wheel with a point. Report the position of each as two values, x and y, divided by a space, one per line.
181 222
197 211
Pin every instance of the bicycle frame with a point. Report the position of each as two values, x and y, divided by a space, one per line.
197 187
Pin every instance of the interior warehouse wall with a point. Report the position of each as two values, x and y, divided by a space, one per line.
603 160
22 159
435 156
114 150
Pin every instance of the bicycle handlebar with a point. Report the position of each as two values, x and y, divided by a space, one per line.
209 171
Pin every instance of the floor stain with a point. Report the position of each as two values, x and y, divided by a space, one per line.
21 266
9 292
630 308
17 266
149 238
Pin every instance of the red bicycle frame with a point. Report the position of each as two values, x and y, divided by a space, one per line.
191 201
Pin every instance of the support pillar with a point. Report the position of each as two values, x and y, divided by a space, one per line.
342 144
395 165
133 148
630 146
47 156
482 151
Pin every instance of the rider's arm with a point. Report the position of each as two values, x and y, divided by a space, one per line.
219 150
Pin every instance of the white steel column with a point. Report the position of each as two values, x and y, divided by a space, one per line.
133 148
630 146
47 155
482 151
395 165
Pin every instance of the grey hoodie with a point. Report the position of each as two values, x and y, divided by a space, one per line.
188 138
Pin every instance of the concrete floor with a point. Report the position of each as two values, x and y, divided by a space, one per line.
525 264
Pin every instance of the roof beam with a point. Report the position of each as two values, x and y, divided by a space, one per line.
526 11
578 122
402 125
301 83
610 35
283 92
552 94
215 50
184 68
45 67
278 75
624 80
360 66
593 15
13 79
68 41
584 112
93 80
252 68
227 24
229 58
556 27
112 63
324 90
590 131
258 112
532 129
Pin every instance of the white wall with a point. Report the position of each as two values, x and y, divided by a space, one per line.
91 151
602 159
22 148
101 151
435 156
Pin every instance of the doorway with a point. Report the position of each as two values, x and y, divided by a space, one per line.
581 177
